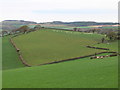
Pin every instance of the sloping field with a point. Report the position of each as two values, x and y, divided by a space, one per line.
53 26
82 73
10 59
113 46
116 27
46 45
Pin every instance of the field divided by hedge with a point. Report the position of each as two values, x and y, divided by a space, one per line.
81 73
46 45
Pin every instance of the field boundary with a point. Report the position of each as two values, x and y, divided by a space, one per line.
98 48
70 59
18 52
59 29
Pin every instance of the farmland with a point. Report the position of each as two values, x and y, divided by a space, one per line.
48 45
55 45
70 27
9 55
82 73
113 46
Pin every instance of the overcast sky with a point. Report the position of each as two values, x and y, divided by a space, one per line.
60 10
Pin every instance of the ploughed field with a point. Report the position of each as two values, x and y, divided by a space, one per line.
48 45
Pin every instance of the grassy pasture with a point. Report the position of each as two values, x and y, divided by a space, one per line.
10 59
71 28
113 46
68 27
110 27
0 56
82 73
46 45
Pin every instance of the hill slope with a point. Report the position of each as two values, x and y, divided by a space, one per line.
10 59
14 24
45 46
83 73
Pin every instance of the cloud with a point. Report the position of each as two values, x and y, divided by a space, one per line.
76 11
40 10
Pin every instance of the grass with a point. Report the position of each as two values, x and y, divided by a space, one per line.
110 27
0 63
68 27
61 27
81 73
0 53
113 45
85 27
10 58
45 45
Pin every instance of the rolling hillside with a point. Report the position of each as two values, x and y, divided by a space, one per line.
80 73
45 46
10 59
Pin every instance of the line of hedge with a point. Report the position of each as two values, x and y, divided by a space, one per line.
97 48
70 59
18 51
24 62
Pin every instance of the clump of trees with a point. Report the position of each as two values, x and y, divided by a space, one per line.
22 29
4 33
93 30
118 34
103 40
37 27
112 35
25 29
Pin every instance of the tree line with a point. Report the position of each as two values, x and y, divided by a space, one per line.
111 35
22 30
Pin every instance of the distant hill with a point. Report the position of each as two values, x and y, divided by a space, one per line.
82 23
14 24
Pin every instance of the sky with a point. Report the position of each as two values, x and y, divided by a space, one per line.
59 10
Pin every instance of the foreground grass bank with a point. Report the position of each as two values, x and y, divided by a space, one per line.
83 73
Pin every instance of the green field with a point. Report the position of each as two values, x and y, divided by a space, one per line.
72 27
59 27
45 45
80 73
110 27
113 46
10 58
68 27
